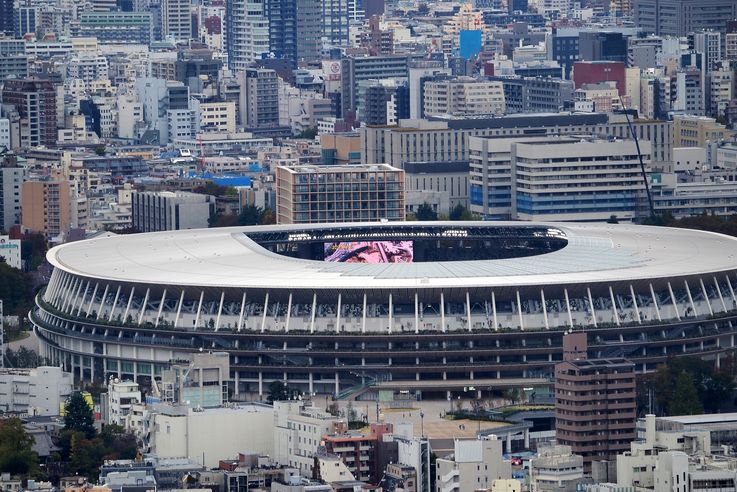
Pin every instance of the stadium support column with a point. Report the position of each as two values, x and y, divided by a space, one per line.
237 389
289 312
220 310
706 296
468 310
731 290
102 301
115 304
634 303
243 307
73 296
311 383
92 299
417 314
591 305
690 298
493 310
721 297
161 308
84 297
363 314
614 306
266 309
545 309
673 300
260 384
143 306
337 384
179 308
128 306
391 312
68 292
199 310
519 312
442 312
568 307
314 310
655 300
337 318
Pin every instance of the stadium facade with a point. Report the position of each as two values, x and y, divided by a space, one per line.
429 305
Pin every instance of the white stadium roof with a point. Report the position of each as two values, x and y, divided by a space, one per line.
226 257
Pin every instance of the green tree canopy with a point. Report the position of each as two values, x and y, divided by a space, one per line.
459 212
685 397
16 453
425 212
78 416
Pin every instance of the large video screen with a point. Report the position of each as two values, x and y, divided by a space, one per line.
370 252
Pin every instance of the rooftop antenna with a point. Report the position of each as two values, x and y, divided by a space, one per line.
639 156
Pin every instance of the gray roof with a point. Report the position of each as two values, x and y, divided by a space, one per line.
226 257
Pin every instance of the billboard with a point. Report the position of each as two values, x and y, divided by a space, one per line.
331 70
369 252
470 44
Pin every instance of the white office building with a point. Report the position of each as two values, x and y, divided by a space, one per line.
121 395
475 464
39 391
298 429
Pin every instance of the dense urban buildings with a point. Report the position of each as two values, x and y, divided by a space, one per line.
342 245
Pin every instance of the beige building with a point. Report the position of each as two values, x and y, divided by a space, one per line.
696 131
463 96
475 465
555 469
217 117
359 193
340 148
46 206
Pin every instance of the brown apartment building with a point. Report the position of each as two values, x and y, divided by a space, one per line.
46 206
595 403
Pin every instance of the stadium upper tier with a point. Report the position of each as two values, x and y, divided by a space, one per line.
230 258
450 300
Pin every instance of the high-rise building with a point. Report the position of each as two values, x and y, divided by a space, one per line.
11 182
299 200
176 20
46 207
247 32
709 44
335 20
27 20
595 402
168 211
463 96
35 101
6 17
680 17
295 29
259 99
117 27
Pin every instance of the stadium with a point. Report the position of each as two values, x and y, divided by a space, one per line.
428 307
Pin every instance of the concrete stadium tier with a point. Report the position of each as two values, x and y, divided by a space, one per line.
482 303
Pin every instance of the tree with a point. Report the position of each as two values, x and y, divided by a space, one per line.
100 150
279 391
16 453
78 416
425 212
250 215
459 212
308 133
685 397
